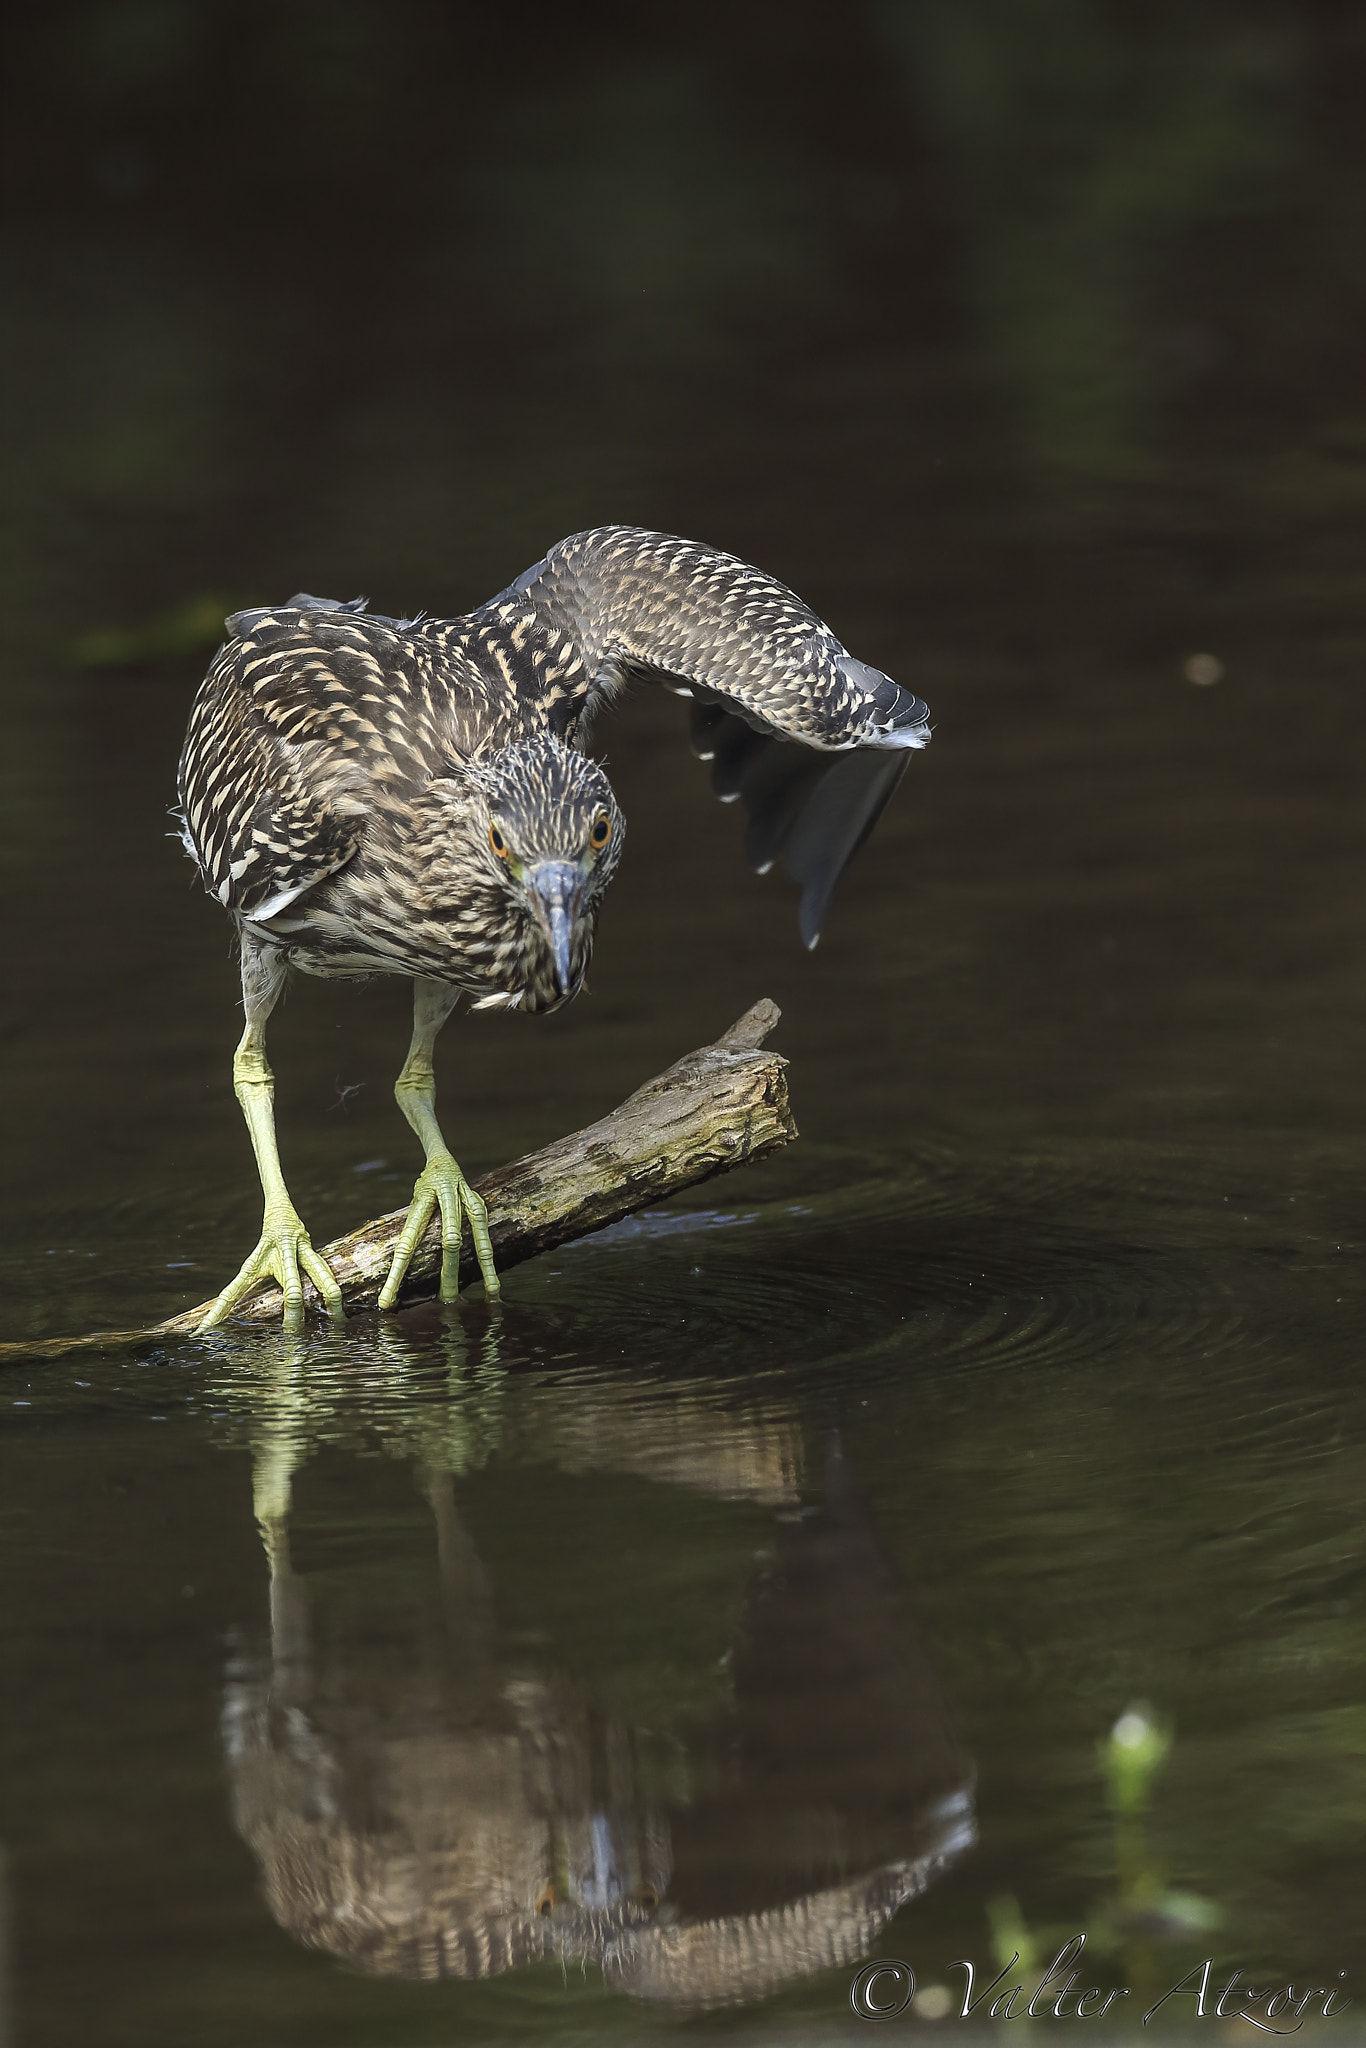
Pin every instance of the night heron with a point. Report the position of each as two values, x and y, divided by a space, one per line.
404 796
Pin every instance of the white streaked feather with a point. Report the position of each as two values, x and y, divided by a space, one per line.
281 900
907 736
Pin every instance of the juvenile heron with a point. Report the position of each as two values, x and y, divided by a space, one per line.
398 796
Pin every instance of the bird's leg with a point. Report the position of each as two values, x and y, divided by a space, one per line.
285 1250
441 1181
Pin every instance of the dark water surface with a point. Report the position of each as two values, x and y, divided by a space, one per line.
757 1590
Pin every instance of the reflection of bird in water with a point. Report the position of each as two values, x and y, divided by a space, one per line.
445 1817
380 796
424 1800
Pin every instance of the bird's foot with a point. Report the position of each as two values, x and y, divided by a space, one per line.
285 1254
442 1183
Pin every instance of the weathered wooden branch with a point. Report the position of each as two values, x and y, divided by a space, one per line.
715 1109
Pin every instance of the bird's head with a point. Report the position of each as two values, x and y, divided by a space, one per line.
548 836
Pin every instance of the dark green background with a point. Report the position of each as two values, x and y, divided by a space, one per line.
1027 340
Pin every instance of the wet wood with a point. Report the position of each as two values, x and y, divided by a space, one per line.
717 1108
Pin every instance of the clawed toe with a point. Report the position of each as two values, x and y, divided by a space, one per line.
284 1253
442 1185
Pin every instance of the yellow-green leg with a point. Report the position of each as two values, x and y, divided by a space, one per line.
441 1182
285 1251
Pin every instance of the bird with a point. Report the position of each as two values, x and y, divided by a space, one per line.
412 796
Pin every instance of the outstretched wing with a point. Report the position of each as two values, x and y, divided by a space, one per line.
808 809
810 739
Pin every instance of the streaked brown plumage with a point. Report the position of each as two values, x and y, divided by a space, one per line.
369 795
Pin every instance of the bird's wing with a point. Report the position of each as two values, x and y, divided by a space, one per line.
812 740
277 752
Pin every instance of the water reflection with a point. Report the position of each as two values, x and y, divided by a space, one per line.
432 1791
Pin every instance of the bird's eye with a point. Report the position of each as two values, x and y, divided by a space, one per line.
498 842
601 832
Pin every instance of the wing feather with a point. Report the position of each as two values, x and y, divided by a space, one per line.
258 824
812 740
804 808
832 825
311 712
311 716
652 604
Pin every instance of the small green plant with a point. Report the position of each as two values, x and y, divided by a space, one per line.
1132 1755
1142 1912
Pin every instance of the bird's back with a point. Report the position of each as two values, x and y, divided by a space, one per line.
315 718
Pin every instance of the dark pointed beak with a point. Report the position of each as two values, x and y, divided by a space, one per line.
555 887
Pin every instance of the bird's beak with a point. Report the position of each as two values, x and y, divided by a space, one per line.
555 886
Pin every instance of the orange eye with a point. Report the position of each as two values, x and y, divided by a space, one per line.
498 842
601 832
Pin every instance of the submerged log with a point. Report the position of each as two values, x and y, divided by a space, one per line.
714 1109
